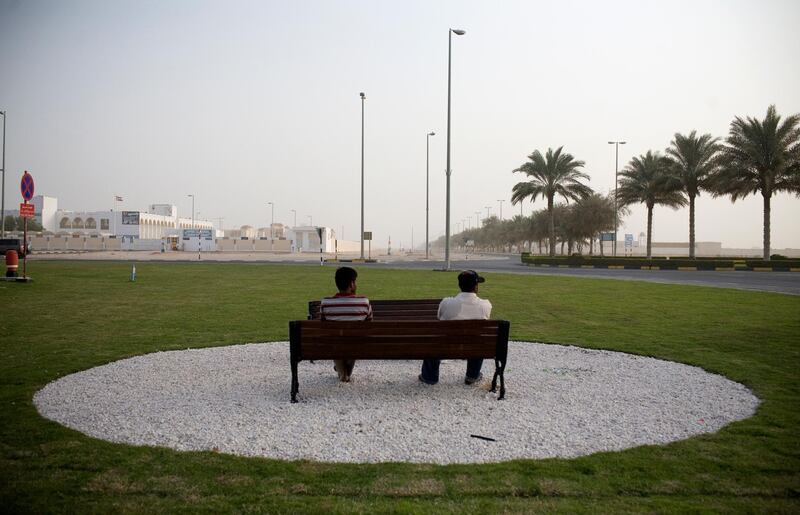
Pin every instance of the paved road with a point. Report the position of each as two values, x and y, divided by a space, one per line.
776 282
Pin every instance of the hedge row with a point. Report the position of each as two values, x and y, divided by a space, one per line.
775 264
660 262
664 264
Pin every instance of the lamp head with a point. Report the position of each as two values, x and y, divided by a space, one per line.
363 96
459 32
431 134
622 142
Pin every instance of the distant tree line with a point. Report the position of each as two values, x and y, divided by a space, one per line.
757 157
17 223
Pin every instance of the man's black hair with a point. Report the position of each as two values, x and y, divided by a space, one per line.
344 276
467 282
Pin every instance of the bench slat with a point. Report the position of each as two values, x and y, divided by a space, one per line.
425 309
392 351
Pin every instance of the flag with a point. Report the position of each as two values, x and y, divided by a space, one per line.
117 198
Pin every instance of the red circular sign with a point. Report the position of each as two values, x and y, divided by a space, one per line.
26 186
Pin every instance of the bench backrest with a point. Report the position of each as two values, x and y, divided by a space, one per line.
405 339
414 309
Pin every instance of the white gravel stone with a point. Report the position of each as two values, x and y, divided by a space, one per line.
561 401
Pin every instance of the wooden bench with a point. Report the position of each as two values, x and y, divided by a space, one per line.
414 309
403 339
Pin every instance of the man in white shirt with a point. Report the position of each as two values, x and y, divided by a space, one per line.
464 306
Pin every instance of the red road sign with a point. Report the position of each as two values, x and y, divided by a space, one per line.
26 210
26 186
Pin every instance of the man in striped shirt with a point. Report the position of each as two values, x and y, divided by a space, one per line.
345 305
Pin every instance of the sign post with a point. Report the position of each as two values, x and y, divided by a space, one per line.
26 187
629 243
368 237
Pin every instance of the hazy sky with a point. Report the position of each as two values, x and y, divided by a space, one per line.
243 103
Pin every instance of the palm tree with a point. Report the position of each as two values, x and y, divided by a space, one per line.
760 156
551 175
646 179
693 162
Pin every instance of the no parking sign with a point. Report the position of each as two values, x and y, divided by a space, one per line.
26 186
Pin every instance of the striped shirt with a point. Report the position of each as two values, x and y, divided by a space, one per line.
345 307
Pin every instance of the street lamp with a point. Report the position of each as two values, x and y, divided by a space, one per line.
477 219
190 195
3 201
450 33
616 174
501 209
427 181
272 219
295 217
488 209
363 98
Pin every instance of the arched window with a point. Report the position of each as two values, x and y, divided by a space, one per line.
64 224
91 223
77 222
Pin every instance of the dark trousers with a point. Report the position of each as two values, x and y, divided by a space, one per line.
430 369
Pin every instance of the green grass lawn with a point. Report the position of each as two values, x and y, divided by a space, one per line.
77 315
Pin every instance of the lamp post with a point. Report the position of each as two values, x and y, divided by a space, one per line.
295 217
616 175
477 219
427 188
488 210
363 98
450 33
501 209
310 221
272 218
3 201
190 195
271 224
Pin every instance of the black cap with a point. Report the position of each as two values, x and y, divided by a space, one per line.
468 279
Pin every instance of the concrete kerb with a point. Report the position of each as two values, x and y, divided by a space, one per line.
680 268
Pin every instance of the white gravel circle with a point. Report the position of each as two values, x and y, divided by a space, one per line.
561 401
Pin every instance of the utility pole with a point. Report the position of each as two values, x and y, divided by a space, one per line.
3 194
616 181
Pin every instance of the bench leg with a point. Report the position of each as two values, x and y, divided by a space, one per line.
496 373
502 382
499 368
294 381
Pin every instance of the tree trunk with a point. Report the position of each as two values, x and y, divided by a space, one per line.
691 227
552 228
600 244
649 231
591 245
767 196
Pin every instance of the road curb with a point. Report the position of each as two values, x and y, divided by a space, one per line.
678 269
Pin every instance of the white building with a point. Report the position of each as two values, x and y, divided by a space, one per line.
158 222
